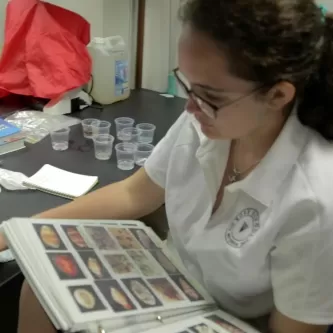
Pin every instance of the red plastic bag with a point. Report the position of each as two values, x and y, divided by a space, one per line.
45 53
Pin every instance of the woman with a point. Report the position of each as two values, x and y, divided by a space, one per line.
245 172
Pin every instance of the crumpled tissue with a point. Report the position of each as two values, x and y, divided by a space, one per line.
12 181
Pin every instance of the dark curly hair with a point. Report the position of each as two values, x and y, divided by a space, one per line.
275 40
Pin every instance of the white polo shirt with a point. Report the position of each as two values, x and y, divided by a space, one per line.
271 241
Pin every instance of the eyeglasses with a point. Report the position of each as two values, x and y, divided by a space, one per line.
208 108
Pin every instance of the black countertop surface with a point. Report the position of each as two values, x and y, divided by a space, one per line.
143 106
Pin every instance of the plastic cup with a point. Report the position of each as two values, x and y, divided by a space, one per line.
121 123
147 132
100 127
60 138
87 127
143 151
103 144
125 155
130 134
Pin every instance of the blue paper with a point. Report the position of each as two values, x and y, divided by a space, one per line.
7 129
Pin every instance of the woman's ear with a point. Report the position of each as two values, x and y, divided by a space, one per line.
282 94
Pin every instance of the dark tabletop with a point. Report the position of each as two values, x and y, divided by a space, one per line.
143 106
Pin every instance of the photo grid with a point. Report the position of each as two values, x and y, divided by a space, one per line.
212 324
111 267
199 328
227 326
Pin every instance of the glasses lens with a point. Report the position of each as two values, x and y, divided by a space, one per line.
183 81
185 84
204 107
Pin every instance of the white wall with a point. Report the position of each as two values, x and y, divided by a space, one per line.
162 31
175 31
120 18
156 54
176 27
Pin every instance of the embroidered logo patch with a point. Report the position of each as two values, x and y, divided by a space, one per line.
243 227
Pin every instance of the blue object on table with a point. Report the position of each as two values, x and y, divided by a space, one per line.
7 129
172 85
324 11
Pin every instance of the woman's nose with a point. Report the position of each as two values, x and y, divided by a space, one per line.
192 106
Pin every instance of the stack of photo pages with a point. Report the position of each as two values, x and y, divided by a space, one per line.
112 276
